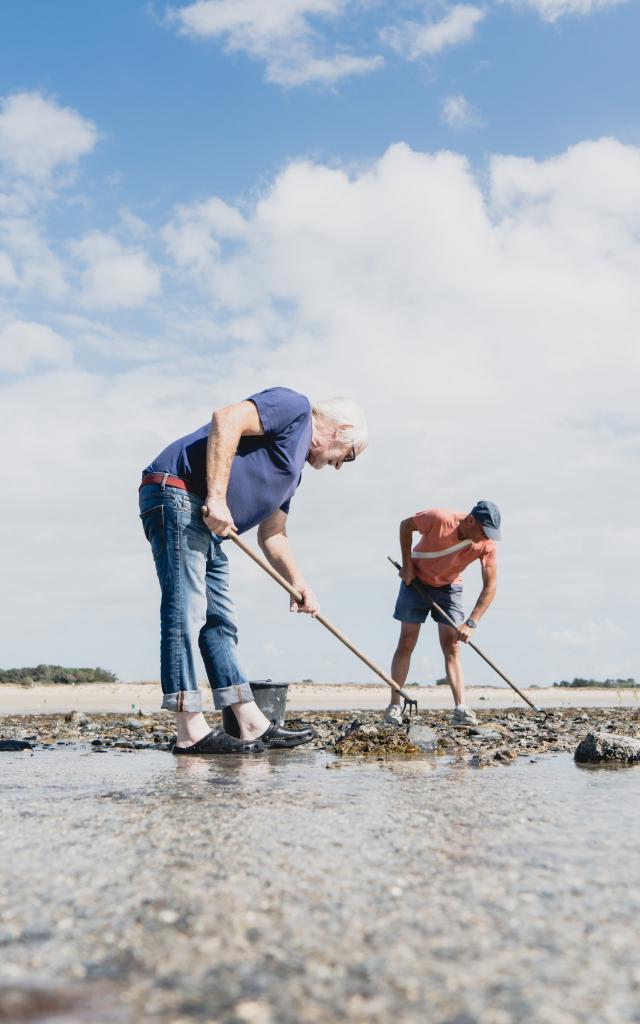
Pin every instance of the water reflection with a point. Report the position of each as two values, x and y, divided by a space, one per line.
226 770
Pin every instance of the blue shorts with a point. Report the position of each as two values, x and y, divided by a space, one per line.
413 607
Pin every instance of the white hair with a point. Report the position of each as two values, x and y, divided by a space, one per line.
349 415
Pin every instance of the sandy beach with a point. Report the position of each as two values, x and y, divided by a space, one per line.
146 697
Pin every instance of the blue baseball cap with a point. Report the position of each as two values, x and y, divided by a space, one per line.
488 515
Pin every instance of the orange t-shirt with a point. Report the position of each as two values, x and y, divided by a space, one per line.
440 556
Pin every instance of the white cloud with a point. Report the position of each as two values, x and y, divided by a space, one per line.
37 136
551 10
193 237
128 346
36 268
457 112
283 35
254 20
114 277
589 634
26 346
304 67
8 277
413 40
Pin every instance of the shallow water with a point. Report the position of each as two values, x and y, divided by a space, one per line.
292 887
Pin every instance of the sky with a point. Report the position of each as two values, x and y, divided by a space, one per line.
431 207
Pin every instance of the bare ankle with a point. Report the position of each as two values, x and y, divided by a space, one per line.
191 727
251 730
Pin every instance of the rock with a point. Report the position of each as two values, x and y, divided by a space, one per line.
351 727
77 717
505 755
486 734
607 746
250 1011
132 723
15 745
480 761
423 737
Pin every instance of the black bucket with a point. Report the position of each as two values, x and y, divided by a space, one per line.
270 697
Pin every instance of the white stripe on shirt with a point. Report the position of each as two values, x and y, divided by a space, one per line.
445 551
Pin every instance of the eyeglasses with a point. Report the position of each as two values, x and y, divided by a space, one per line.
351 456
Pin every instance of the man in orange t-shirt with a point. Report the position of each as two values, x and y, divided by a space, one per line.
449 542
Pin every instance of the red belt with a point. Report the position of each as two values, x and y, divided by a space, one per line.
164 478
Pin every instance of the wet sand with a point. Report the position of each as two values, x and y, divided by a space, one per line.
123 697
140 887
313 887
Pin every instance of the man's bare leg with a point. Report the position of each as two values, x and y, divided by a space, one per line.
452 662
409 632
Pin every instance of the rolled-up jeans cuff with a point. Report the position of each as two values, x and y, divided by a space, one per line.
239 693
182 700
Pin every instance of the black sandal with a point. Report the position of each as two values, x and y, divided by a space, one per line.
220 743
277 737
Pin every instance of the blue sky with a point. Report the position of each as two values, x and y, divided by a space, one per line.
179 117
435 207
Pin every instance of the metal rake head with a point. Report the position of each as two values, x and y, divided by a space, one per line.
411 705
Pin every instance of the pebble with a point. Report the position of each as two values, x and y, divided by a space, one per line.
423 737
168 916
486 734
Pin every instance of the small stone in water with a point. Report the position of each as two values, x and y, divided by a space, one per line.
423 737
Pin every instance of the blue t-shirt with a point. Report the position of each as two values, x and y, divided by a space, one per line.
265 471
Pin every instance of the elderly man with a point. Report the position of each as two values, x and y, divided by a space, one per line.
449 542
237 472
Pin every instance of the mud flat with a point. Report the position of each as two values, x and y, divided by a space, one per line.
501 736
135 886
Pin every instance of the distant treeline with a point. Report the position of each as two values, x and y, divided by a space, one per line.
55 674
615 684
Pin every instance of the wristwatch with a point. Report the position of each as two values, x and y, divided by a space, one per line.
471 624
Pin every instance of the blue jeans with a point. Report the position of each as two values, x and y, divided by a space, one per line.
196 610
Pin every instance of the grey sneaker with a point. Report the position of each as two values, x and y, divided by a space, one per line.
393 715
464 716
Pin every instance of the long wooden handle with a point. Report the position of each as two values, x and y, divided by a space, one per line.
434 604
319 618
